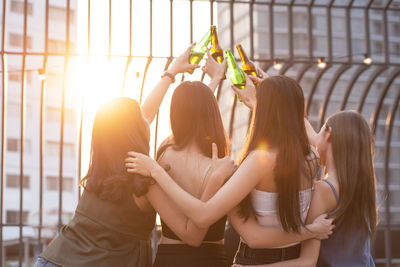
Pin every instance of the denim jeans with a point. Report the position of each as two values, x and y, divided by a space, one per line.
40 262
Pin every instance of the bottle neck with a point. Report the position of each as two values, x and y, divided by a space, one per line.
242 54
231 60
214 38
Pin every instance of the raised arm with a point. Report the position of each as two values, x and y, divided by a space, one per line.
310 132
153 101
215 70
257 164
257 236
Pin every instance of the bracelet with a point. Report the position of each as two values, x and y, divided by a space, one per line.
169 75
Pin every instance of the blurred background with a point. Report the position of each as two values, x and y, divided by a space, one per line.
61 59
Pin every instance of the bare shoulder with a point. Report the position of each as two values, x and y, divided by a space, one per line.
262 161
323 192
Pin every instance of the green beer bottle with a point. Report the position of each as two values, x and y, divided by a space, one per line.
235 73
199 50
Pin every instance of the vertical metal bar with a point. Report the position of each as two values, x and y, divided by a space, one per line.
151 53
385 34
88 49
191 20
21 178
310 32
251 10
389 128
128 62
367 30
329 29
271 30
109 29
3 127
234 98
232 20
60 206
41 139
348 33
212 12
290 30
82 110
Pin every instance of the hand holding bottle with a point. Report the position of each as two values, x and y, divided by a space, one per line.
213 68
248 93
182 64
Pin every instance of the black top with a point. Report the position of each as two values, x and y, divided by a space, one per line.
215 232
103 233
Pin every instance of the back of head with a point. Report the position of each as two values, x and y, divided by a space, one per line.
117 129
352 154
278 122
195 117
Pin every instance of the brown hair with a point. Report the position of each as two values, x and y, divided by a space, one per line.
195 116
118 128
278 122
352 151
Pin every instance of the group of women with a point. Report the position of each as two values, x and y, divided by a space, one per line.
274 198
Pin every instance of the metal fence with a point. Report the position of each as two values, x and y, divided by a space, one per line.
349 64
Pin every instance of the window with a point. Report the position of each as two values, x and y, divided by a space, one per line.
52 183
16 77
13 145
60 14
58 46
53 114
16 39
14 110
18 7
12 181
12 216
53 149
54 80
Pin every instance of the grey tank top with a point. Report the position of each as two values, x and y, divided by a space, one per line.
350 252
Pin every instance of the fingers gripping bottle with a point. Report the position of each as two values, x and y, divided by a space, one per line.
199 50
235 73
215 50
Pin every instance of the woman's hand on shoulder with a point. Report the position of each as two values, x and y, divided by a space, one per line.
221 168
322 227
141 164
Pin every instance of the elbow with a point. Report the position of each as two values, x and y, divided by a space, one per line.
191 240
203 221
309 262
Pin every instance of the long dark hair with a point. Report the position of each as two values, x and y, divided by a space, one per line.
352 151
118 128
278 122
195 116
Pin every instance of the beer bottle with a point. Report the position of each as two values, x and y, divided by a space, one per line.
215 50
247 66
235 73
199 50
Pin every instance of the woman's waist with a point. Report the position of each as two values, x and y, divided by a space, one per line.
169 241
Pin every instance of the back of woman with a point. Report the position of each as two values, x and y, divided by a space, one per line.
196 124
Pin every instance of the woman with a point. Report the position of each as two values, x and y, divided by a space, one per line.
278 165
113 219
347 192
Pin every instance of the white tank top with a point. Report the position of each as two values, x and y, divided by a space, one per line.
265 205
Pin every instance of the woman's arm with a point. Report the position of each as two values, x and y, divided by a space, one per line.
310 132
258 164
153 101
323 201
257 236
215 70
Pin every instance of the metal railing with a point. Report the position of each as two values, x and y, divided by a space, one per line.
298 67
